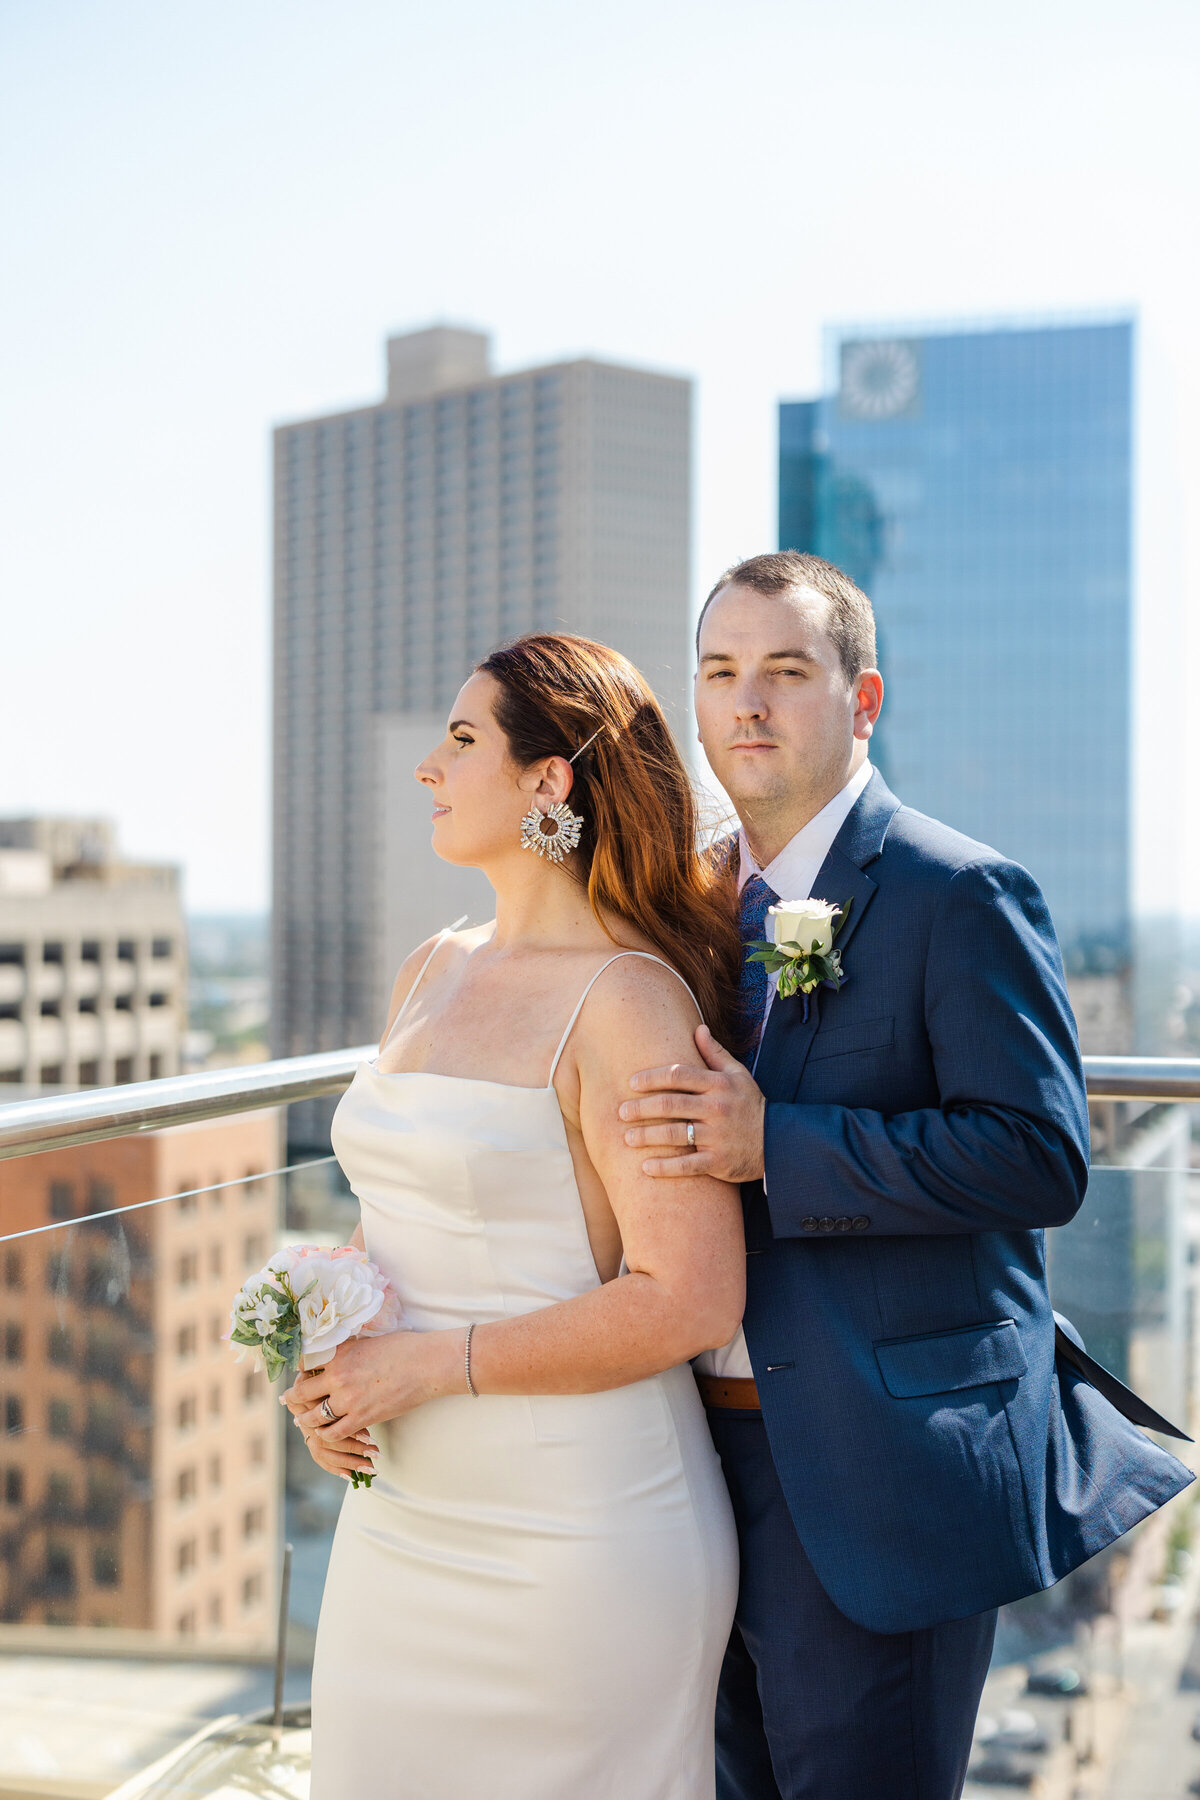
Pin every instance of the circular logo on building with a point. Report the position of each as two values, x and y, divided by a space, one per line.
880 380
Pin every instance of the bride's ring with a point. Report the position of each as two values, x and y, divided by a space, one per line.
327 1412
691 1134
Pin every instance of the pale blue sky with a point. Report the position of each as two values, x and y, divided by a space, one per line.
212 215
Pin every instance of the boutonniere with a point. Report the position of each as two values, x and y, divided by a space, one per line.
801 946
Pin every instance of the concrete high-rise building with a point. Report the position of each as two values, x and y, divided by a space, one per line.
411 536
981 485
140 1462
93 958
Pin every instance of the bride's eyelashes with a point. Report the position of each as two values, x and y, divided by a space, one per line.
460 737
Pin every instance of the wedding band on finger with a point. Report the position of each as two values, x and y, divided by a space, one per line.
327 1412
691 1134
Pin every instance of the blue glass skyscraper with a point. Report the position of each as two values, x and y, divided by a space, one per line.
978 484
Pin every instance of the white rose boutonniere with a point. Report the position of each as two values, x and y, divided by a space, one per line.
801 946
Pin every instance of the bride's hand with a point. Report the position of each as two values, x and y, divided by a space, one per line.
375 1378
343 1458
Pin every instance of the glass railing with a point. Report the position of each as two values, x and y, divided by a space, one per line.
149 1482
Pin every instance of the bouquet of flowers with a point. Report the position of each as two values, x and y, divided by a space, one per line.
305 1302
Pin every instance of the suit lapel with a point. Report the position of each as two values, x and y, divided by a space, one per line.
789 1036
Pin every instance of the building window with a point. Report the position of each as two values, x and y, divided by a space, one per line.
185 1413
186 1341
124 1003
161 946
258 1451
156 1065
87 1004
60 1571
185 1625
252 1590
123 1069
14 1413
252 1252
14 1344
215 1259
254 1522
62 1200
52 953
12 953
159 999
59 1497
214 1330
188 1271
11 1010
51 1073
89 950
214 1471
214 1612
101 1196
14 1487
252 1386
185 1484
58 1416
214 1402
214 1542
59 1347
13 1276
51 1009
106 1570
185 1555
89 1069
58 1271
189 1202
126 950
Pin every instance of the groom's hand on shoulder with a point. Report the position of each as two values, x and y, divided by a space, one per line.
722 1101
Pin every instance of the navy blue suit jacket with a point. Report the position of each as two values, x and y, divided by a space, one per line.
923 1126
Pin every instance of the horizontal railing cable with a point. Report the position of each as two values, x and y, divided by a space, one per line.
214 1187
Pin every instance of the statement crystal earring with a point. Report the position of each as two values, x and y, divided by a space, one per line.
552 834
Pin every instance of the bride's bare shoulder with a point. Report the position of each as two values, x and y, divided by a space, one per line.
445 943
641 1004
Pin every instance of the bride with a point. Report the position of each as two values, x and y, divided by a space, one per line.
532 1600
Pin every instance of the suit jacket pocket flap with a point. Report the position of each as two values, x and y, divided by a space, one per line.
840 1040
948 1360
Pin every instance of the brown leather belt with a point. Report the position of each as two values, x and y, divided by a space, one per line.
729 1390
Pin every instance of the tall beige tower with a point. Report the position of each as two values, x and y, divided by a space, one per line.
410 537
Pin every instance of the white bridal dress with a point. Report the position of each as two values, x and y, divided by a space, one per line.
533 1599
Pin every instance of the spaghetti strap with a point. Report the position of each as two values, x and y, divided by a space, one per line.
647 957
403 1008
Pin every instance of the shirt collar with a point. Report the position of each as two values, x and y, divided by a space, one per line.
791 874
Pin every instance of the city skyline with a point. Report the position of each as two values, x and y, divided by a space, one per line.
205 250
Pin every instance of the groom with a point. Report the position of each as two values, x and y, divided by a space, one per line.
903 1451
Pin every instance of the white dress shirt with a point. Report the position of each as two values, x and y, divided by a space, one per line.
791 875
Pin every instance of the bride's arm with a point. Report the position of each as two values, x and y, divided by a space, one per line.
685 1288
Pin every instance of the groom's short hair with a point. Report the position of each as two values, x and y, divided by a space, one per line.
851 617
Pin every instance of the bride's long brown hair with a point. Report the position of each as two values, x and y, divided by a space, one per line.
640 856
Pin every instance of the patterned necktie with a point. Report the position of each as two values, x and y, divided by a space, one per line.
755 898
